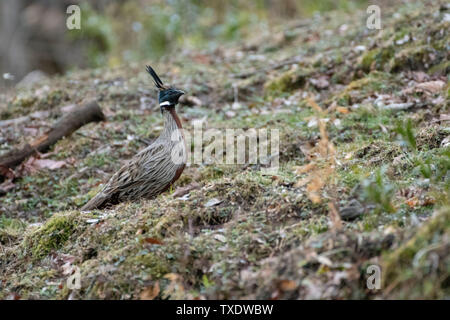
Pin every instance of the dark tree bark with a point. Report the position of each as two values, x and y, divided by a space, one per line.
69 123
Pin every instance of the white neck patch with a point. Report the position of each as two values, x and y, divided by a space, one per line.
165 103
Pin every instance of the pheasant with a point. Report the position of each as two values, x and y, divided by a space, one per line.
154 169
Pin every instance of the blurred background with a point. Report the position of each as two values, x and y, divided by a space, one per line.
34 37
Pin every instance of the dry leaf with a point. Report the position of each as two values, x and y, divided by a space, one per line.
412 203
150 292
48 164
153 241
33 164
172 276
288 285
343 110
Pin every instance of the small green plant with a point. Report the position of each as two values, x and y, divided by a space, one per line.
206 282
380 190
433 168
406 134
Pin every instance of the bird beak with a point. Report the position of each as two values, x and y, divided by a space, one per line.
181 92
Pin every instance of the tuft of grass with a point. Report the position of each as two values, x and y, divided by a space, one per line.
406 132
380 190
10 229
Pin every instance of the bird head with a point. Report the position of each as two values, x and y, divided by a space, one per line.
168 96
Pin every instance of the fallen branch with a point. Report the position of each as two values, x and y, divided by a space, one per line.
69 123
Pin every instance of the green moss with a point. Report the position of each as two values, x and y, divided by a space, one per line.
55 98
407 270
52 235
287 82
150 263
376 59
17 104
342 75
24 101
25 283
376 81
441 68
412 58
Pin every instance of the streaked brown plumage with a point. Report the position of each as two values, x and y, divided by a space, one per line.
154 169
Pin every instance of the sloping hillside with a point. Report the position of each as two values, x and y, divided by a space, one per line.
364 156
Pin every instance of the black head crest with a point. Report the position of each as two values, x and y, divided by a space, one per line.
158 83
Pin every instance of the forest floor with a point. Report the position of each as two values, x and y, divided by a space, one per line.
363 179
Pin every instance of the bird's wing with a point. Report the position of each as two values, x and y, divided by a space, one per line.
142 174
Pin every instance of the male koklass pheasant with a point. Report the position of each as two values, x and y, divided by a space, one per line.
154 169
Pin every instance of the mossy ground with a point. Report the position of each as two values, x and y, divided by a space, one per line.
264 238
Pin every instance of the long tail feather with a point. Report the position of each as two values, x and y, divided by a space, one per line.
97 202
